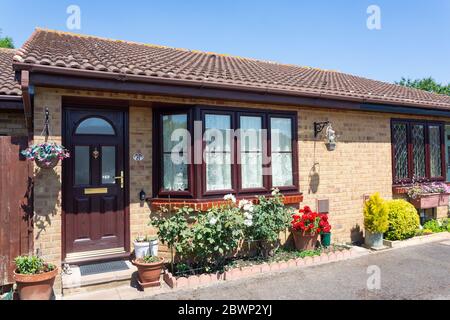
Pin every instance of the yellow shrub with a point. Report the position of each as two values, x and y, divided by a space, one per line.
403 220
376 214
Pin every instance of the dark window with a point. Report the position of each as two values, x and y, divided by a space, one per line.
242 152
418 151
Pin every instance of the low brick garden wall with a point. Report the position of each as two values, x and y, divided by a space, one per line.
195 281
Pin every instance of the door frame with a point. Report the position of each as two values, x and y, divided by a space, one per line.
68 103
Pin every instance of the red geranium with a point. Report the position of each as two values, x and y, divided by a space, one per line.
307 221
310 222
324 224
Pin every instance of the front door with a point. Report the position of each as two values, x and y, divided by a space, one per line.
94 184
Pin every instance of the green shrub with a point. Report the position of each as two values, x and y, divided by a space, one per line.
217 233
403 220
436 225
270 217
32 265
151 259
376 214
174 230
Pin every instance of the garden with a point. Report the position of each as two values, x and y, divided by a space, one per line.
398 220
241 234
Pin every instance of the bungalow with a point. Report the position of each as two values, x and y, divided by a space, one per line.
116 106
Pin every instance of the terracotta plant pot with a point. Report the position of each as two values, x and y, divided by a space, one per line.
305 241
36 286
44 165
149 273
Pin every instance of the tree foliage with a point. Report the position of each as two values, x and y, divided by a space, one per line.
6 42
427 84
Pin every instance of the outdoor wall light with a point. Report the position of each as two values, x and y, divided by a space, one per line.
330 134
142 195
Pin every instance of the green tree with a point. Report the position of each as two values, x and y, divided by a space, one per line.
427 84
6 42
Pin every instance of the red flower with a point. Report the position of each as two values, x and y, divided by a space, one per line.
310 222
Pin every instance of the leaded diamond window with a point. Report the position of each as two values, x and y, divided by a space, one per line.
417 151
418 144
435 151
400 145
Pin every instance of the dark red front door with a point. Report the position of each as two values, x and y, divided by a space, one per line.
94 184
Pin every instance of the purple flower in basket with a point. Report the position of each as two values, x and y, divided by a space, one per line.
45 152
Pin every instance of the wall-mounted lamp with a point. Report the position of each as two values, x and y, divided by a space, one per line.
142 196
319 126
330 134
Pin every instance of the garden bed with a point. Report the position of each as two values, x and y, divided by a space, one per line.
248 267
417 240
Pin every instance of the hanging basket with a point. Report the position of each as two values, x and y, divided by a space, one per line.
49 164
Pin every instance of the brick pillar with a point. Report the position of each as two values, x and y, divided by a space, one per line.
47 184
140 119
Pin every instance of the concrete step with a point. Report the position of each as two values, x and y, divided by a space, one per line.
74 283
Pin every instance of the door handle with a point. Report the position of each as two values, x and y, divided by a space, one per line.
121 178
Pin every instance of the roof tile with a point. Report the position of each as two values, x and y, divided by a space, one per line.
72 51
8 85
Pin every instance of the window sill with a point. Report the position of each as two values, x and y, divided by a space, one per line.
205 204
403 189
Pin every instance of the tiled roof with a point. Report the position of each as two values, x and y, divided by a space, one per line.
8 85
71 51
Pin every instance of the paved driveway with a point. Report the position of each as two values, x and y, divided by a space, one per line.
419 272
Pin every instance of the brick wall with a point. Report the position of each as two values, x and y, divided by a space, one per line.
360 165
47 184
140 172
12 123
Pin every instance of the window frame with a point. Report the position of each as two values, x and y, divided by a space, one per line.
264 125
426 123
158 157
294 142
197 186
204 183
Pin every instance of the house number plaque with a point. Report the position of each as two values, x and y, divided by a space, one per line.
138 156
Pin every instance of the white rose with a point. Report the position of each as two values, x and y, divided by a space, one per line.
243 204
213 221
249 207
248 223
230 197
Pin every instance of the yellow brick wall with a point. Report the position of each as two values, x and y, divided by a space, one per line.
12 123
140 119
360 165
47 185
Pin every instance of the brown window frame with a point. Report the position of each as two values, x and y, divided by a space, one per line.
426 123
197 172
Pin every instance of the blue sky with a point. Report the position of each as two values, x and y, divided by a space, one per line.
414 40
